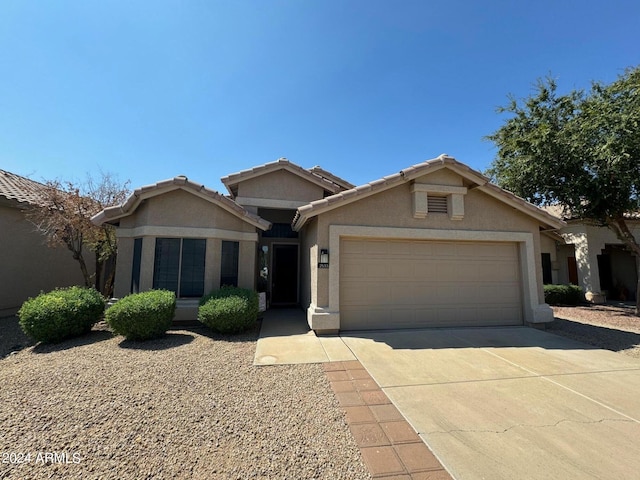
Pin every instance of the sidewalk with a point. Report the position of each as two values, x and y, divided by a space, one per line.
285 338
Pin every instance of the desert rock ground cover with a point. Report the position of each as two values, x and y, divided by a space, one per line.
192 405
612 327
189 405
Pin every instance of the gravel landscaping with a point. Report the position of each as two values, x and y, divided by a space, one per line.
189 405
612 327
192 405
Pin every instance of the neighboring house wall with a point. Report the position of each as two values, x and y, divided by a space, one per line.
589 242
27 265
549 246
566 263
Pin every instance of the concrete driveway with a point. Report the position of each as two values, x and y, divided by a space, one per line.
511 403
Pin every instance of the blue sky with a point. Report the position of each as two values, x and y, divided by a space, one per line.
150 90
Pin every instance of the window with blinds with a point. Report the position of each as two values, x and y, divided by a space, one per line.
179 266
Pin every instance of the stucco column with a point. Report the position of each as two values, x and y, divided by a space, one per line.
247 265
146 263
212 262
122 283
587 265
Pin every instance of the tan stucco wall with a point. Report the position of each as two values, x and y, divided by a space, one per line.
443 176
308 264
180 214
27 265
179 208
124 265
393 208
280 185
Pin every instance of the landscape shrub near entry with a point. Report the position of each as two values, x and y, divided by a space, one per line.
229 310
563 295
62 313
142 316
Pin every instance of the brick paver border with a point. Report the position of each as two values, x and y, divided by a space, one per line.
390 447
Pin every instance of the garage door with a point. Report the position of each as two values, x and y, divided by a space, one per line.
409 284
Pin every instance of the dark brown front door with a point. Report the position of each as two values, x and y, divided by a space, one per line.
573 270
284 284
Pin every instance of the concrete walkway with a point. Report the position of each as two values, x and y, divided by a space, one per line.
285 338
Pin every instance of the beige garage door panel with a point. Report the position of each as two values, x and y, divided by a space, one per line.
399 284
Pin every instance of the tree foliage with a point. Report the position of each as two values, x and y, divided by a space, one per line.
64 214
580 150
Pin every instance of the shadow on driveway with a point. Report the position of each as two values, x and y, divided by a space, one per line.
600 337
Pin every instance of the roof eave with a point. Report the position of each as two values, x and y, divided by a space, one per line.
522 205
111 214
232 180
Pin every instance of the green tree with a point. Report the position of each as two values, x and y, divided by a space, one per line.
580 150
64 214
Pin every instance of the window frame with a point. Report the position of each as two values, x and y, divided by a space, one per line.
233 249
176 284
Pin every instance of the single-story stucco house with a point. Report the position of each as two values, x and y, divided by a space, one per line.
590 255
27 265
435 244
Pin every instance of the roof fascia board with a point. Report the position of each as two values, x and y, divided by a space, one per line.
134 201
522 205
414 172
349 196
454 165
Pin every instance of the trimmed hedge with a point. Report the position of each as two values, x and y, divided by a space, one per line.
563 295
62 313
142 316
229 310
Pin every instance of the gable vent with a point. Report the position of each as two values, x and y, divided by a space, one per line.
436 204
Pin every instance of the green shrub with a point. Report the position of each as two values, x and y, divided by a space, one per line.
62 313
229 310
563 295
141 316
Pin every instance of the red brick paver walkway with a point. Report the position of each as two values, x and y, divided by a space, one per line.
390 448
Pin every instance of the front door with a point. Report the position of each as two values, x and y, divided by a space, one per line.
284 283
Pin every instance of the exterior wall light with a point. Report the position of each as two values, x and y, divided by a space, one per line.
324 258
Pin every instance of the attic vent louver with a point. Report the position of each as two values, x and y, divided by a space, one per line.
436 204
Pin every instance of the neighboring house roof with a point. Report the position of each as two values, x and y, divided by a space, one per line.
20 189
443 161
560 212
334 185
111 214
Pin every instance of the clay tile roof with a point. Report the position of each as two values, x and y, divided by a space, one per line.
562 213
331 177
415 171
20 189
325 181
116 212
